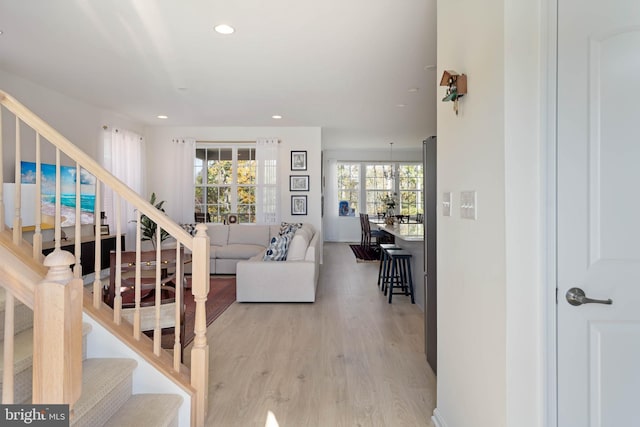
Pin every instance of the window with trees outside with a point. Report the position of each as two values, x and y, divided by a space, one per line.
225 181
377 186
406 186
349 187
410 186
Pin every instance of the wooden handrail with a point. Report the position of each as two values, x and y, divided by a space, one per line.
199 245
91 166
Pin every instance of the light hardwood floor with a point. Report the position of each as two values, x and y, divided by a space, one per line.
349 359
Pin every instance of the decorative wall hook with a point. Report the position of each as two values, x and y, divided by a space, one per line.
456 87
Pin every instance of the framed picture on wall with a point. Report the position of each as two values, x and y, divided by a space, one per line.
298 160
298 205
299 183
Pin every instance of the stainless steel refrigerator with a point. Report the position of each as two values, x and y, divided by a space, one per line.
430 245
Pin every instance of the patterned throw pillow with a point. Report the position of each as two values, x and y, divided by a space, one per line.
189 228
278 248
287 227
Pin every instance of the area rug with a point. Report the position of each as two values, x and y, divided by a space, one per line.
365 253
222 293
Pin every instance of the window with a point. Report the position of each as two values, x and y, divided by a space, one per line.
377 186
410 187
406 187
225 182
348 188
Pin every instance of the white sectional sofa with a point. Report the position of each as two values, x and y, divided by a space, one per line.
240 248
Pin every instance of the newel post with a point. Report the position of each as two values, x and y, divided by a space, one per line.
57 335
200 350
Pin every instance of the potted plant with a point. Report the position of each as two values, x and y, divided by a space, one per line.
148 228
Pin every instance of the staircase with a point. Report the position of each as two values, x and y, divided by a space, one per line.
47 316
107 383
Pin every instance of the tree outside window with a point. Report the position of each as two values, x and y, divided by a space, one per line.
348 188
225 180
410 178
401 181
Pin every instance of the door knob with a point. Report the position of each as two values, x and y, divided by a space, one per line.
576 296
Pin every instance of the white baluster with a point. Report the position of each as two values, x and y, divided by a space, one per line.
117 302
17 220
58 219
77 268
157 333
136 314
97 283
7 374
177 348
37 235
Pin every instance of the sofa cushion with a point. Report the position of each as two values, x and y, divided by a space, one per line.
238 251
308 227
218 234
249 234
298 246
278 248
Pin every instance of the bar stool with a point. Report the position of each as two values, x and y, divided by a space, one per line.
400 275
385 263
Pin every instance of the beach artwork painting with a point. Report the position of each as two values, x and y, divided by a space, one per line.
67 190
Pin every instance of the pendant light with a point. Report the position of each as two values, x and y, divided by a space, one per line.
391 175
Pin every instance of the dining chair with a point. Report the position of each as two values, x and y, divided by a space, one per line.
367 233
202 217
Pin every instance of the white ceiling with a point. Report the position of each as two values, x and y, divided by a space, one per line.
343 65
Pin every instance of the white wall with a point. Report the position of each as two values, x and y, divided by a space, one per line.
347 229
489 369
291 138
525 208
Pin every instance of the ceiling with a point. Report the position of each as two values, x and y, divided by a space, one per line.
351 67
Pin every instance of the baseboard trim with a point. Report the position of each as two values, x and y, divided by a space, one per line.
437 419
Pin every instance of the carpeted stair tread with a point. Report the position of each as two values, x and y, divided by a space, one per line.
22 350
23 362
106 385
22 367
147 410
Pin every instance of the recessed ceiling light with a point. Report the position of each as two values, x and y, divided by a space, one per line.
224 29
1 32
276 116
401 105
413 89
163 116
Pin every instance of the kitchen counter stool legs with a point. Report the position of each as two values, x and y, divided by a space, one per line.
385 263
400 276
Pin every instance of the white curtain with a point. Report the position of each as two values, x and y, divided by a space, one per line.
267 194
182 180
123 156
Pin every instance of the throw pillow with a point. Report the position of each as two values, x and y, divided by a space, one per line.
287 227
189 228
278 248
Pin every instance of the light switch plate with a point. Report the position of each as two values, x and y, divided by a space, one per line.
446 204
468 205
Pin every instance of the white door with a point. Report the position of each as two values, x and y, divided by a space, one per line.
599 212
